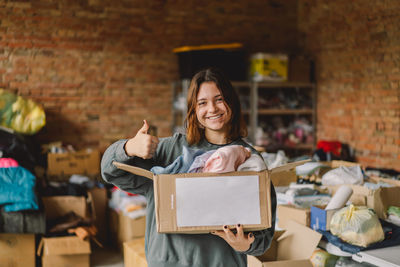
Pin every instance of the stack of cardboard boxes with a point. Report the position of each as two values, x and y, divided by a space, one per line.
72 250
21 249
124 228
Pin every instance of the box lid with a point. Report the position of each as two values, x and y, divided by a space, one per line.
297 242
68 245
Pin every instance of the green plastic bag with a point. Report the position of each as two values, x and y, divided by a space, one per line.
394 210
19 114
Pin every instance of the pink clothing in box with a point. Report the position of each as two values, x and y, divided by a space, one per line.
226 159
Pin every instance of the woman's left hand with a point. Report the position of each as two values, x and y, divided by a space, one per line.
239 241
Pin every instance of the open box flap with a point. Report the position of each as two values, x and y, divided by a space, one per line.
284 175
298 242
289 166
134 170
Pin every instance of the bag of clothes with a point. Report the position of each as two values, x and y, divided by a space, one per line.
357 225
22 115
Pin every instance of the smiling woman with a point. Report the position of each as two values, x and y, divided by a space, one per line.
213 121
214 111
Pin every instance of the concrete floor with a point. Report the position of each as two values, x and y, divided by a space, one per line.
106 257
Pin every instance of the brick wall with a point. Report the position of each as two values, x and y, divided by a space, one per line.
100 67
357 49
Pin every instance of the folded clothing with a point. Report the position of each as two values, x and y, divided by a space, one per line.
17 189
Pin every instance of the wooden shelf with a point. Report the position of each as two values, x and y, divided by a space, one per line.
274 85
278 111
255 115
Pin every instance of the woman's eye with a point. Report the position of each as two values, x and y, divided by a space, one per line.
201 103
220 99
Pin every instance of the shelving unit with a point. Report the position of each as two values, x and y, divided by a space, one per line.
179 105
257 115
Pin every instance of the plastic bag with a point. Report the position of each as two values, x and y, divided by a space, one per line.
357 225
343 175
22 115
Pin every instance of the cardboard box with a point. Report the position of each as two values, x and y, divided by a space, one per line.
58 206
100 200
123 228
290 248
321 218
61 166
134 254
377 179
193 191
17 250
288 213
64 251
379 199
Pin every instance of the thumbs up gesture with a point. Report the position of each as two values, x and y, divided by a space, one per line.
143 145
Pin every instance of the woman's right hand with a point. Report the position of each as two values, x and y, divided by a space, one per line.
142 145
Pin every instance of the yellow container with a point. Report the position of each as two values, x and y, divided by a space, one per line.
269 67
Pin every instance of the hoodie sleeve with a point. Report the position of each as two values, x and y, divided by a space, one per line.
120 178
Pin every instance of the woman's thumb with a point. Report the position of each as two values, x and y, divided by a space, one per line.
144 128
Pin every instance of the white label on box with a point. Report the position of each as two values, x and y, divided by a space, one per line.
209 201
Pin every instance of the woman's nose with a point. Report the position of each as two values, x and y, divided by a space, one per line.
213 107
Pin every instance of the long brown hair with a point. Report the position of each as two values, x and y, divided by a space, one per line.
236 125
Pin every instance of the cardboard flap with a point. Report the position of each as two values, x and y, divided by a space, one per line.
40 247
65 246
289 166
134 170
298 242
283 175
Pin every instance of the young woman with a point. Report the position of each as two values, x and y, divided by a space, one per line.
213 120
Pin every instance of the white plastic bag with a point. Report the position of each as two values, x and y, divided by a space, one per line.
357 225
343 175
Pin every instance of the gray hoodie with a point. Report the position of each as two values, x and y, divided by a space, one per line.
179 250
